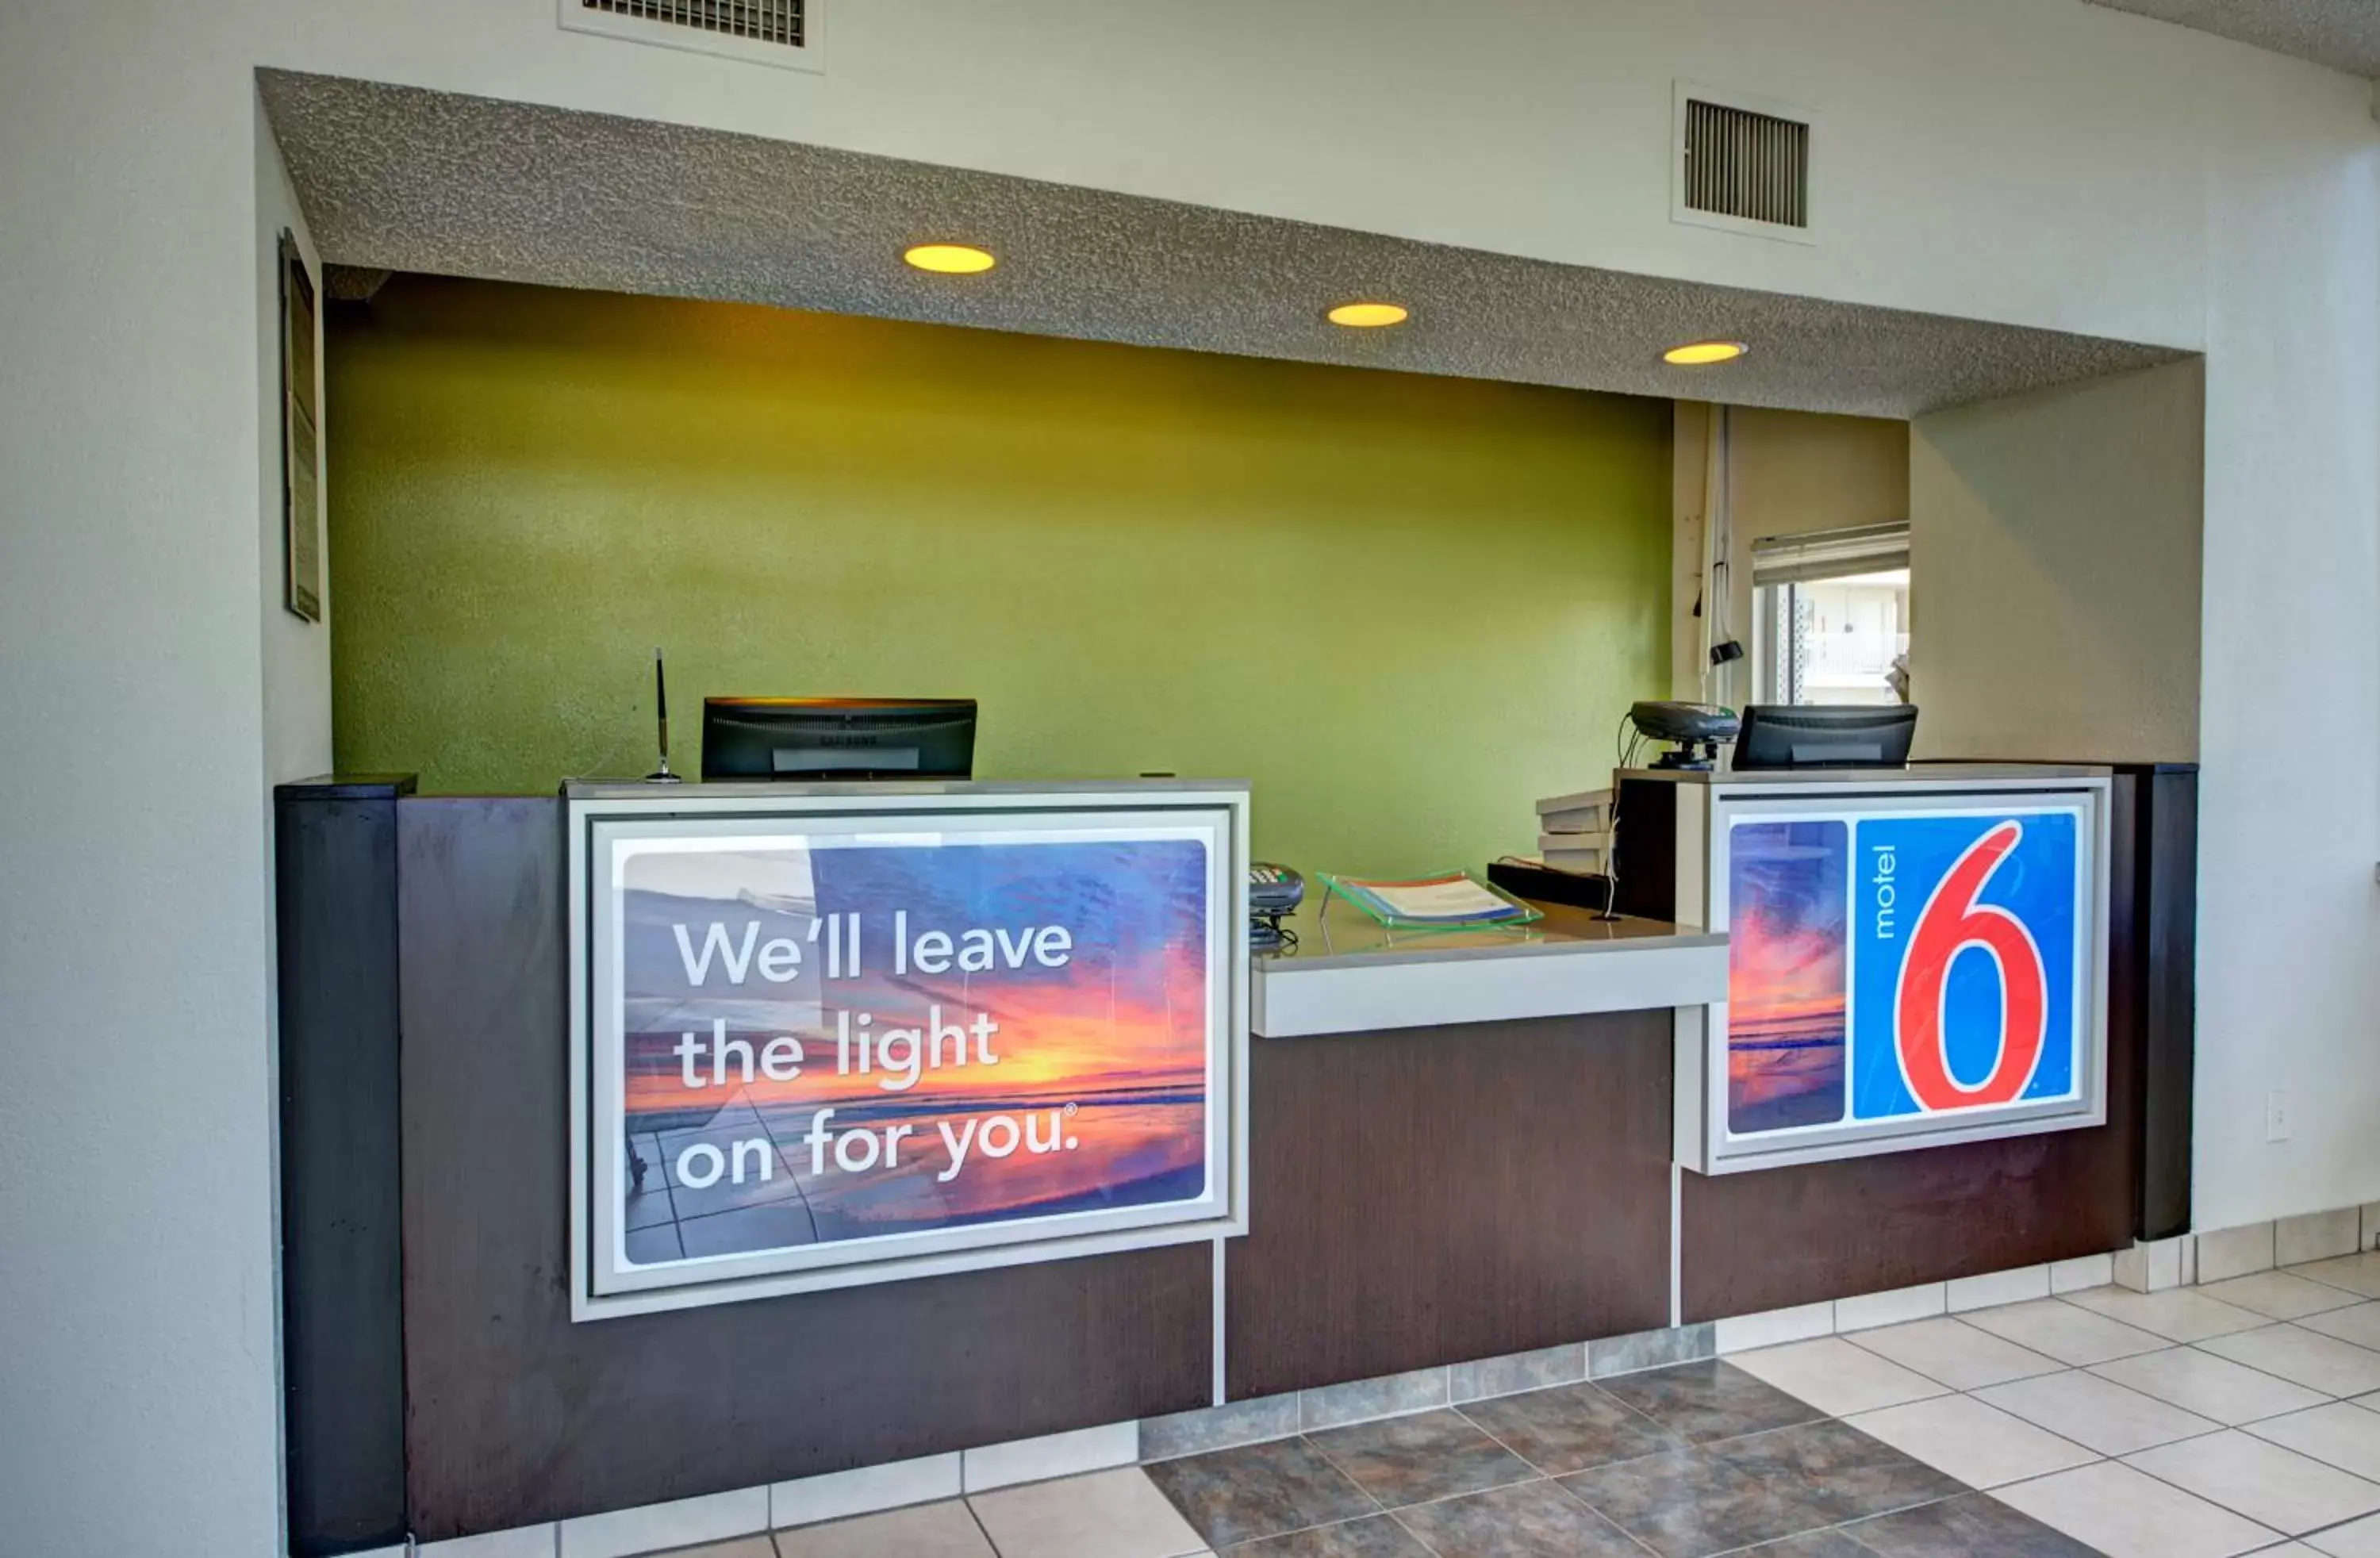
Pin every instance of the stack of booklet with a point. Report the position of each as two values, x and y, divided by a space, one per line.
1574 831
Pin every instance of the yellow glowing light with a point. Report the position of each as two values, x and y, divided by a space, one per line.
1369 316
950 259
1697 354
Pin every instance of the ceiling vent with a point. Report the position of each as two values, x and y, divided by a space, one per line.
778 32
1742 165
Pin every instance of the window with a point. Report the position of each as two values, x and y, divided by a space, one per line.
1830 616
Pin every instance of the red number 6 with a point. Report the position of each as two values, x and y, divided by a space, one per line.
1951 922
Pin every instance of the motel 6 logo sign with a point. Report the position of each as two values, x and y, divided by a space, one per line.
1967 948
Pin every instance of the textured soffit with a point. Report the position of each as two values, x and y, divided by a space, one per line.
2343 34
401 178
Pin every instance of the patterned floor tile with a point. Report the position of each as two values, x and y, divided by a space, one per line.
1259 1491
1528 1520
1688 1503
1570 1428
1839 1470
1377 1537
1428 1456
1710 1400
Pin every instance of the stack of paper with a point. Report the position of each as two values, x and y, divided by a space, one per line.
1574 831
1451 899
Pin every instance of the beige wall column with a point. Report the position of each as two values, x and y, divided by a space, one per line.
2055 560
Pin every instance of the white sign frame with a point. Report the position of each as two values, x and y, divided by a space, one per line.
602 821
1705 1144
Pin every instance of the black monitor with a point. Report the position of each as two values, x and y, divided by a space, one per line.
1825 736
838 737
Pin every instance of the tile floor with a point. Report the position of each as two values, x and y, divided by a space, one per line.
2243 1417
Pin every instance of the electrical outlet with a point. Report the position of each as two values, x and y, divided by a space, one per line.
2277 1115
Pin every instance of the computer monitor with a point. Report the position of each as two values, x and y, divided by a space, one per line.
838 738
1825 736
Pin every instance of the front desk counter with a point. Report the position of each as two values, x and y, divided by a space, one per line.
1459 1148
1460 1142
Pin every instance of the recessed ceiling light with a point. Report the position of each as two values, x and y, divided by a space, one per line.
1698 354
949 258
1369 316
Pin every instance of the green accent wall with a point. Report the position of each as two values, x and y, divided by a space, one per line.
1404 606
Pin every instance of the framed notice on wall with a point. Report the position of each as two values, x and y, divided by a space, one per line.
301 507
826 1039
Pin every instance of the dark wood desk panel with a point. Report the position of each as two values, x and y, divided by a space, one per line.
1429 1196
515 1415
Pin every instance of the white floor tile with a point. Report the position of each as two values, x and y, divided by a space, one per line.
865 1490
1117 1513
1977 1443
2280 1294
2359 1323
1955 1353
2268 1484
742 1547
2341 1434
2360 1539
522 1541
1998 1288
924 1530
1739 1334
2096 1413
2066 1331
2356 1273
1899 1306
1054 1454
2308 1358
2177 1314
2316 1236
2072 1276
1836 1377
655 1527
2212 1387
2129 1513
2235 1252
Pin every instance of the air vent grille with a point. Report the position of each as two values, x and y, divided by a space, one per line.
1754 167
765 21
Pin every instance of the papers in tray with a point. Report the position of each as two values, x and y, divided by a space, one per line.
1451 899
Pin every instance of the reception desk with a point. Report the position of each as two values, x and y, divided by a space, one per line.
1456 1146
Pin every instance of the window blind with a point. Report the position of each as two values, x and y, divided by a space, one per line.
1822 555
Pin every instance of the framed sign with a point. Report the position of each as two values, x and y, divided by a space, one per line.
831 1036
1905 969
301 487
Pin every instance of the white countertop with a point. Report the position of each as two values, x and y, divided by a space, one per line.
1350 974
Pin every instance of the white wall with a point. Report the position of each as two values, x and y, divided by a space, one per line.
2035 160
2054 546
2288 986
136 1293
1787 473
